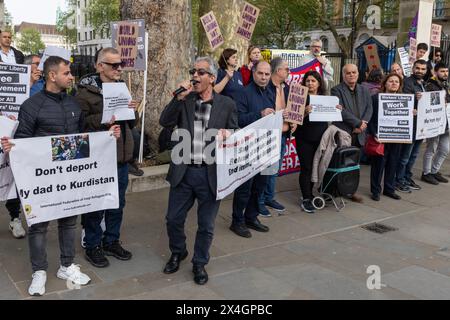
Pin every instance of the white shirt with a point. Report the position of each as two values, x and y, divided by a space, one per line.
8 57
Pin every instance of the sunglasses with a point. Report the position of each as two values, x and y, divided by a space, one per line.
200 72
115 65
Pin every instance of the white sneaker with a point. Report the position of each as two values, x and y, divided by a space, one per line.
37 287
83 242
73 274
16 228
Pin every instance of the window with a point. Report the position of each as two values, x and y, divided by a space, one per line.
90 34
93 34
79 36
85 19
324 43
439 8
85 3
85 35
78 3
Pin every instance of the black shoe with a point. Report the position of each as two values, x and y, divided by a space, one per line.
413 185
275 205
439 177
257 225
307 206
115 249
429 178
200 274
174 262
241 230
403 188
134 170
392 195
375 196
96 257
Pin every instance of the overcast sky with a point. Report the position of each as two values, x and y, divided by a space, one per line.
38 11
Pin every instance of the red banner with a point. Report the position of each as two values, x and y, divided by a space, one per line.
296 74
291 163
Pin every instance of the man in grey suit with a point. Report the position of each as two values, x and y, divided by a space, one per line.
198 113
357 108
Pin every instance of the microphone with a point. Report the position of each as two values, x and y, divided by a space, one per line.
182 89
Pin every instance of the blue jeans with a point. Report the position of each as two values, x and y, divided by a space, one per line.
269 192
113 217
408 156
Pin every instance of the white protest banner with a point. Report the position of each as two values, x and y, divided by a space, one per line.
404 60
54 51
324 108
212 30
395 118
247 24
248 152
435 39
412 50
14 87
424 21
431 115
7 185
63 176
296 103
129 38
116 98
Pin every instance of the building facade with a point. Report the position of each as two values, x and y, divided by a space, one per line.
49 35
89 40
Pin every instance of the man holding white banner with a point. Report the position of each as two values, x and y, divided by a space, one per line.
51 112
437 147
91 99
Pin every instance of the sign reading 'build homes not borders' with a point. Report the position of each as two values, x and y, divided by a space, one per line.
247 24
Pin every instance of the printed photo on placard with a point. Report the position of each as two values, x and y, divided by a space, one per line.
70 148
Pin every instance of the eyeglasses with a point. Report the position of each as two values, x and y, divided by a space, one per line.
200 72
115 65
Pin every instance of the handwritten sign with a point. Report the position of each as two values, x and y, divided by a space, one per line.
296 103
436 31
212 30
248 20
412 50
128 37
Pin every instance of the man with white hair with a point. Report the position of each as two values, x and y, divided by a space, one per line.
315 53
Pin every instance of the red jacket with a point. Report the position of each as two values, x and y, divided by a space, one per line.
246 74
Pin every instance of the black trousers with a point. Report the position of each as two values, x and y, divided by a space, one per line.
306 151
181 199
245 200
386 164
13 206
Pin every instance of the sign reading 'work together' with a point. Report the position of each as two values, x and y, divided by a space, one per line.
212 30
129 38
296 103
395 118
64 176
248 20
14 87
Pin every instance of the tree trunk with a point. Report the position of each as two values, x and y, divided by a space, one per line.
170 54
228 15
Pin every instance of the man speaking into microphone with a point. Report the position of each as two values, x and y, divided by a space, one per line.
195 108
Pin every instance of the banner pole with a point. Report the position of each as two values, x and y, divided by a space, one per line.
144 101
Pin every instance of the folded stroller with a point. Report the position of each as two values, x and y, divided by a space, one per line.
341 178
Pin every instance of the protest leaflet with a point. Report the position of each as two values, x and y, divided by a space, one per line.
248 152
296 103
247 24
63 176
128 37
395 118
324 108
212 30
7 185
116 98
14 87
431 115
54 51
404 60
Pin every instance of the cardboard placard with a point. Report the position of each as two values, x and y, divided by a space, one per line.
412 50
296 103
373 60
247 24
212 30
435 39
128 38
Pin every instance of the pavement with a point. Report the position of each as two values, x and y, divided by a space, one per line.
304 256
